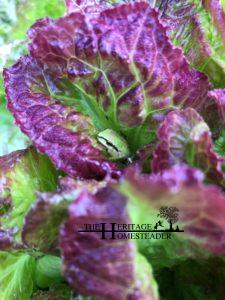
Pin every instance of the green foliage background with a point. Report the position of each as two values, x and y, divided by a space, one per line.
16 16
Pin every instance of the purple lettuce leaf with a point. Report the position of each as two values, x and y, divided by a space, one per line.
176 15
89 72
200 209
214 112
215 8
41 224
184 137
218 96
103 268
209 40
212 116
56 130
198 27
207 43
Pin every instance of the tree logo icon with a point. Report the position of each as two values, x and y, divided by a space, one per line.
171 215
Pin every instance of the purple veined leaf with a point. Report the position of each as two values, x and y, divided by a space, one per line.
214 112
199 50
117 48
215 8
200 207
212 116
218 95
175 14
60 132
184 137
197 26
121 75
41 224
181 19
103 267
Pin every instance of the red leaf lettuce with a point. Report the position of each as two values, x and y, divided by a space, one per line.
87 72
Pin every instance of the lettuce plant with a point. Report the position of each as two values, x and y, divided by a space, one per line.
90 72
124 106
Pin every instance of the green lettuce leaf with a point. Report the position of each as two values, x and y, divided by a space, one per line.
23 276
48 271
22 174
16 276
219 145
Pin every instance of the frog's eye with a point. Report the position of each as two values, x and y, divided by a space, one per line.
116 145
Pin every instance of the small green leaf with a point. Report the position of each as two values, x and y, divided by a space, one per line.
219 145
48 271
